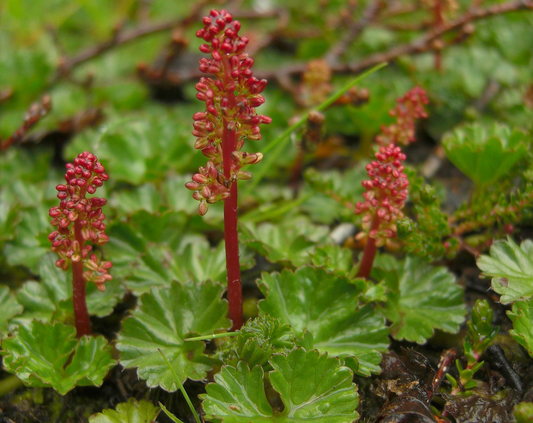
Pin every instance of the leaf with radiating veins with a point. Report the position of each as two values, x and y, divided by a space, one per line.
511 269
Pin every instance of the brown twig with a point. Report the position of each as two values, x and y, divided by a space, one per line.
121 37
370 14
421 45
35 113
424 44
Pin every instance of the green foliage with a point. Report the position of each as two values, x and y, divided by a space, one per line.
510 267
48 355
523 412
333 191
342 327
132 411
290 242
164 318
425 237
420 298
257 340
9 307
9 219
335 259
171 262
153 249
42 300
480 331
485 154
480 335
522 317
325 394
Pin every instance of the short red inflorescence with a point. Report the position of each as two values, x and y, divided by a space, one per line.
385 194
410 107
230 101
79 220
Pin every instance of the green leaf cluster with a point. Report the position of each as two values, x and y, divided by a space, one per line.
49 355
163 319
485 154
326 393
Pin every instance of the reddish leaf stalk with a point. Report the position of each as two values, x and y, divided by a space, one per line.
80 220
229 118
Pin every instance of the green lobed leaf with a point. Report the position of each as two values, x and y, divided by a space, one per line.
420 298
163 319
335 259
522 317
132 411
485 154
325 394
291 241
511 269
237 396
324 311
49 355
9 307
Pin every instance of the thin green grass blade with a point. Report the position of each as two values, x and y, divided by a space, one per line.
182 389
282 140
170 415
213 336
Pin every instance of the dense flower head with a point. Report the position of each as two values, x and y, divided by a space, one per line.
231 98
79 219
409 108
386 192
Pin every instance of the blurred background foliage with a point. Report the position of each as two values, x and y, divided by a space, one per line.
121 75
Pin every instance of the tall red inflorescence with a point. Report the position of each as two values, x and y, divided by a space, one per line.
79 222
230 116
231 97
409 108
386 192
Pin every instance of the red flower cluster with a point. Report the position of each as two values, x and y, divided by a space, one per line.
409 108
79 219
230 116
385 194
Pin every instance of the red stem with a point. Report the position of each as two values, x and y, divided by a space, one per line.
81 315
369 253
230 217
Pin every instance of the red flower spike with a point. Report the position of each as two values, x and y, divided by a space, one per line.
409 108
386 192
230 98
79 219
234 94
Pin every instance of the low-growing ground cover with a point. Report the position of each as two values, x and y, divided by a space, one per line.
374 263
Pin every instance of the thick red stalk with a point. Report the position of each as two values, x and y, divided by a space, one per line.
230 215
232 259
369 253
81 315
